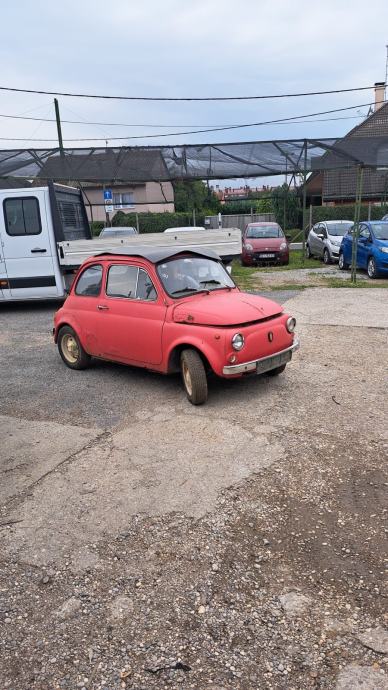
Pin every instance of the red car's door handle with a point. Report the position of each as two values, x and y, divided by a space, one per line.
102 307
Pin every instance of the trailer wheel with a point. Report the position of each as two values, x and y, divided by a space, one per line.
194 377
71 350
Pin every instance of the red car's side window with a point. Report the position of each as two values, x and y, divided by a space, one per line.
89 282
130 282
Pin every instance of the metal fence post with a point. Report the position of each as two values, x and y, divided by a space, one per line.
356 229
304 202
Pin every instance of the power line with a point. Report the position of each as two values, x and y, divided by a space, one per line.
122 124
288 120
167 98
102 124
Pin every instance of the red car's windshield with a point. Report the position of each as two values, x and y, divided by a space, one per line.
188 275
264 232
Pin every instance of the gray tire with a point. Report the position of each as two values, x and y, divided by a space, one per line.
308 252
372 268
342 265
326 257
71 350
194 377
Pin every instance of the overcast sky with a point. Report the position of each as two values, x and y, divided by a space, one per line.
190 48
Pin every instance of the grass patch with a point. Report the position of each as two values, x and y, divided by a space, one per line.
296 262
338 283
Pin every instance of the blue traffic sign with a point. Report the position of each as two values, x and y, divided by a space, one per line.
108 195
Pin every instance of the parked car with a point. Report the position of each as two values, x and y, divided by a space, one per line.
385 217
169 311
264 243
372 248
124 231
324 239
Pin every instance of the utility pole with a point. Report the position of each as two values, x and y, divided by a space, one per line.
386 74
59 130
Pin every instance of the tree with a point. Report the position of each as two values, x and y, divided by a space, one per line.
190 194
286 207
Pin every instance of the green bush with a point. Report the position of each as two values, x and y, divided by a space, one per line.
96 227
346 212
156 222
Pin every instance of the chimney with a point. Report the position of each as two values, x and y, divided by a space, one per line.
379 94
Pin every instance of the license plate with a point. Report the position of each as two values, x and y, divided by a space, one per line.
266 256
273 362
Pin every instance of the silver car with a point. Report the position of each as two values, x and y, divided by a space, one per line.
324 239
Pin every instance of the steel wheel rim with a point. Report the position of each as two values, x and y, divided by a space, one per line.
341 261
187 378
325 257
371 268
70 348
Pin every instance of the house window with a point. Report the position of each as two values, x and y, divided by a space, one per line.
22 216
123 200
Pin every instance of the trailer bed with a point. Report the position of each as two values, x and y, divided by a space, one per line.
226 243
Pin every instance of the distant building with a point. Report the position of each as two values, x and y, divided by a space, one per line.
239 193
334 187
144 197
105 170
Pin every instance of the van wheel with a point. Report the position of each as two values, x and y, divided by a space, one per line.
194 377
277 371
342 265
71 350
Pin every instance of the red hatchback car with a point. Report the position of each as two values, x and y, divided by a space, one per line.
264 243
171 311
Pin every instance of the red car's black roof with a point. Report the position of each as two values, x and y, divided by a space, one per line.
156 254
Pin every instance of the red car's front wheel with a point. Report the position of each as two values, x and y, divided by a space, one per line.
71 350
194 377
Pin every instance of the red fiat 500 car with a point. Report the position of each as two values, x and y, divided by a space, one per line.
264 243
170 311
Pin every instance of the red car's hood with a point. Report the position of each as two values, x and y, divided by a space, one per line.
264 244
224 308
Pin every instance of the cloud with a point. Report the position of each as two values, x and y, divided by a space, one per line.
199 47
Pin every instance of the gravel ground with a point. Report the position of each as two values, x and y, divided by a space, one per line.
150 544
308 277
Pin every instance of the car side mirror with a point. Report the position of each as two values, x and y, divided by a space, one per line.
321 237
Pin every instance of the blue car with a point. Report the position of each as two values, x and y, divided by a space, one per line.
372 248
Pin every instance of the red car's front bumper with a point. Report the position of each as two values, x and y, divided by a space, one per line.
263 364
259 258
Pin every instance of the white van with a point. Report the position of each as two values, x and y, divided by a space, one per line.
45 236
32 221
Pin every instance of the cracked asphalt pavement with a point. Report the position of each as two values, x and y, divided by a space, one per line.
146 543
